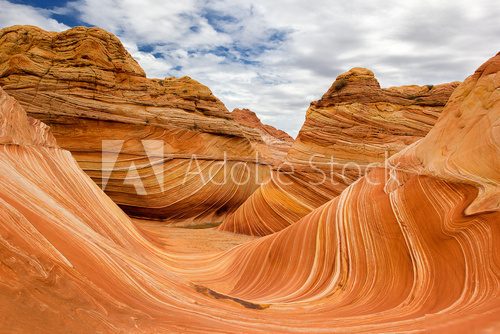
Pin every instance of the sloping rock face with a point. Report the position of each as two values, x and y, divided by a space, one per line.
276 143
356 125
16 128
464 146
417 252
134 136
248 118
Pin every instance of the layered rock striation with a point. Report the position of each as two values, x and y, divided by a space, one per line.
70 259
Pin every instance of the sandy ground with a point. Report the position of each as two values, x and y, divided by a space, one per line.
188 240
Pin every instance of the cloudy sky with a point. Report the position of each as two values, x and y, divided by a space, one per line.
276 56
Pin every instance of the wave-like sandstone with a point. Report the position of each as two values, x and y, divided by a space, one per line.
355 125
419 251
70 260
136 136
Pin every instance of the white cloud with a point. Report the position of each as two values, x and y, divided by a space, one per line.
276 56
150 22
13 14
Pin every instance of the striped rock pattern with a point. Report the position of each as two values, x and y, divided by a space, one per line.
356 125
141 132
416 251
419 251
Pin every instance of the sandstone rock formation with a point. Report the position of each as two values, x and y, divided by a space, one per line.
417 252
355 125
276 143
248 118
16 128
142 133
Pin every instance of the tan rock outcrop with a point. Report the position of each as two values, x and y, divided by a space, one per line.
355 125
136 137
276 143
248 118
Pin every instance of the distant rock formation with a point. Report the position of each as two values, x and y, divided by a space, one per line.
355 125
276 141
249 118
141 133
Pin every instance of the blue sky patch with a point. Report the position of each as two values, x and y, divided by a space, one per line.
42 3
146 48
217 19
